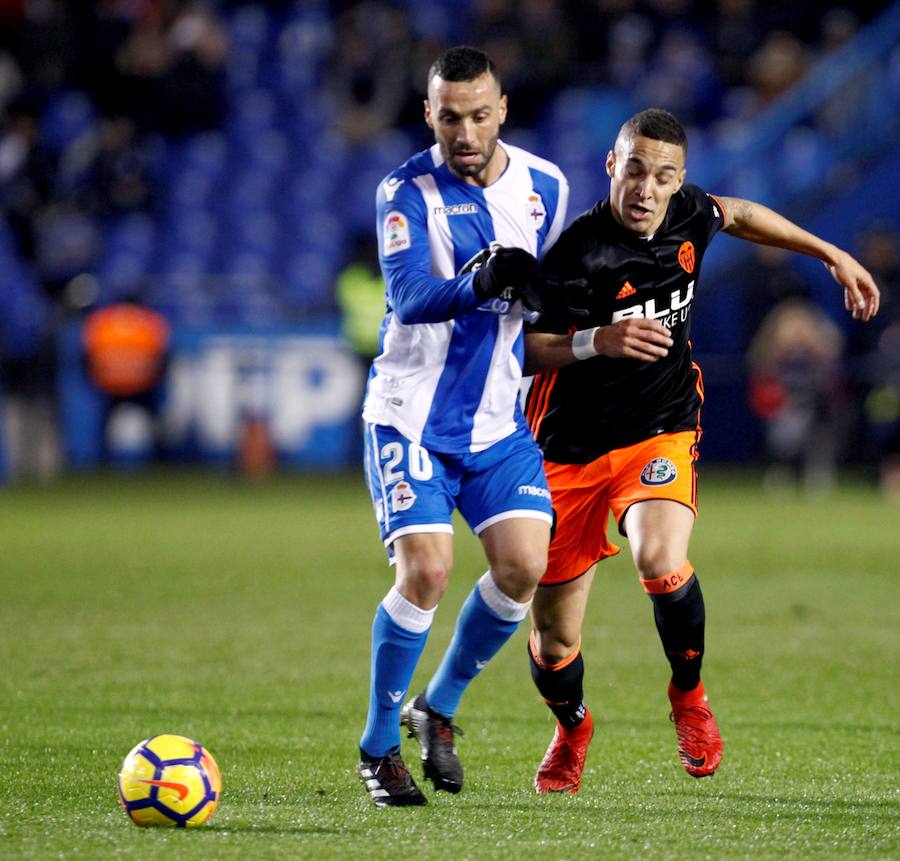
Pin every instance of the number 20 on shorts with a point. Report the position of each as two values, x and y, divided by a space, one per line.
418 462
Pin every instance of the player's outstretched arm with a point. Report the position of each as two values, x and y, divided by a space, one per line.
757 223
634 338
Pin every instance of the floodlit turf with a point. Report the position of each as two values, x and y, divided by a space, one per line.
239 615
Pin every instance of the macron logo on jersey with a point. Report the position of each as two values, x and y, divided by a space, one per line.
457 209
396 233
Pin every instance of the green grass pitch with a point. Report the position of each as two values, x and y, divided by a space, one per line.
239 615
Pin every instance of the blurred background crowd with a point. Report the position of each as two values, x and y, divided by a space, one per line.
215 163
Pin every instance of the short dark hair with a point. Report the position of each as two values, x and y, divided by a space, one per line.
658 125
462 63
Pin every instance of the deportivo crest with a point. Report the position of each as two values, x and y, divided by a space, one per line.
396 233
402 496
660 470
536 211
686 257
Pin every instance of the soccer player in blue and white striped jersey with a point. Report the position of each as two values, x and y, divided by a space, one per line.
444 428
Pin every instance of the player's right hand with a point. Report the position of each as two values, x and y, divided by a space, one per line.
506 267
634 338
861 294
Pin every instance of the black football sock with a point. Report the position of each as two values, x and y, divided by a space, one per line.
561 685
680 617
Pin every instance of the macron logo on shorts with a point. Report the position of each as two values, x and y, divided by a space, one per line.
533 490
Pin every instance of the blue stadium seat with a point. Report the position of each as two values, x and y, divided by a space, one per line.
254 113
252 189
248 26
309 283
134 232
25 313
257 233
191 189
121 277
206 153
304 46
66 115
804 160
268 152
192 231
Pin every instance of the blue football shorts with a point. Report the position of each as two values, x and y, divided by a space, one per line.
415 490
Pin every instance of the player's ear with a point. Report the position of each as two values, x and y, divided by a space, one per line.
610 163
427 106
680 180
502 111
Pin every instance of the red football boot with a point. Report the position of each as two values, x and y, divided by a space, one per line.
699 742
563 762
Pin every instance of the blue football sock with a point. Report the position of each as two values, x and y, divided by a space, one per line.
481 630
395 653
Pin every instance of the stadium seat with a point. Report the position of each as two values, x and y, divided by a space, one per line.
206 153
268 152
66 115
248 26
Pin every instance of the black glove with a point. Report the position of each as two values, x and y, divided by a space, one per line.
506 267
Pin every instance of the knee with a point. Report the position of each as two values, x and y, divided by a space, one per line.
655 560
552 647
519 575
423 580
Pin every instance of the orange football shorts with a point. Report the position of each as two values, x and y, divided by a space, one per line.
662 467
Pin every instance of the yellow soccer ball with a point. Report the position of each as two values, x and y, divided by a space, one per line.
169 780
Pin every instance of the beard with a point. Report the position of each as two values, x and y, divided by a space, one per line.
474 169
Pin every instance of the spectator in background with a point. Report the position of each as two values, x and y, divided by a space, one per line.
878 357
172 71
27 173
683 76
777 65
46 46
108 169
534 40
125 348
28 380
735 31
369 75
360 295
767 281
797 389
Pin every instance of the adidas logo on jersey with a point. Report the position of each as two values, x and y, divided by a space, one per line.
626 291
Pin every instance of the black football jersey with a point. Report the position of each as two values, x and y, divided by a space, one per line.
582 411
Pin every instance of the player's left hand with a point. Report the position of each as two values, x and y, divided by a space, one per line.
861 294
505 268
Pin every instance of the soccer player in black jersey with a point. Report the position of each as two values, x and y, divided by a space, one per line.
615 404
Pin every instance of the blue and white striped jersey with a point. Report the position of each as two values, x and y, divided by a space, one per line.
449 368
